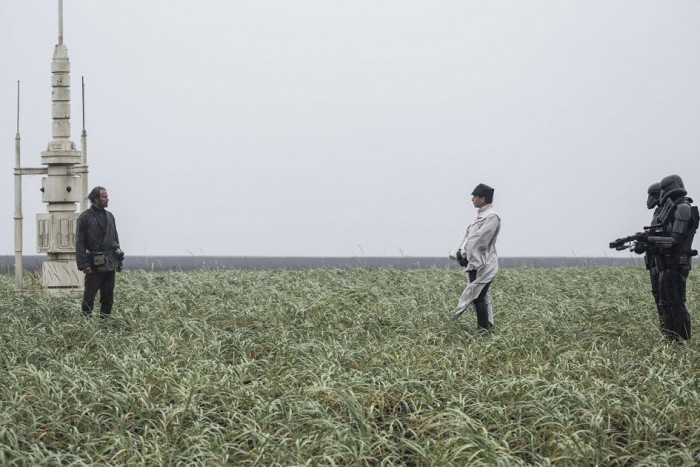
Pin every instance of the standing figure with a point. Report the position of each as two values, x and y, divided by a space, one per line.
476 253
97 252
679 221
654 193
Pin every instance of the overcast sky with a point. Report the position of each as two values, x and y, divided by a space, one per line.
360 128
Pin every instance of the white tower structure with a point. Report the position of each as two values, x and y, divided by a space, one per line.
62 187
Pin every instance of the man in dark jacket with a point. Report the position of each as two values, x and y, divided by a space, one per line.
97 252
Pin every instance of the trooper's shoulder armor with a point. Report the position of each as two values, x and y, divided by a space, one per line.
683 212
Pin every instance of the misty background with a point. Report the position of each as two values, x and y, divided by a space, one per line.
338 128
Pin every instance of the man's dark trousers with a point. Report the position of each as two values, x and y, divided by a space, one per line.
104 282
480 305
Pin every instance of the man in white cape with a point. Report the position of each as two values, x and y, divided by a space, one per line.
476 253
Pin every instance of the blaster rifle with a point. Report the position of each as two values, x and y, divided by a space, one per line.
640 242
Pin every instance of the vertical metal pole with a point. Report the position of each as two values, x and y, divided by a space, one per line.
18 206
83 148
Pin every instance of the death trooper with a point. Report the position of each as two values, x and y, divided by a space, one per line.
679 222
654 194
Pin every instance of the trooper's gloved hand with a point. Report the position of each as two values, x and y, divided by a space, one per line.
639 248
458 255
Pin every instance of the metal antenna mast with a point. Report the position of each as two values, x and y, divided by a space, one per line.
18 206
61 188
83 149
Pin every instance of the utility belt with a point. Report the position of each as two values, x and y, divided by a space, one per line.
678 259
99 258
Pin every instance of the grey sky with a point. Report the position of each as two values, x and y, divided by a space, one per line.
350 128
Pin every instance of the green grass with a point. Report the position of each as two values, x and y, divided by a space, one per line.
348 367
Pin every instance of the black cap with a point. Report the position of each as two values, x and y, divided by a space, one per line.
484 191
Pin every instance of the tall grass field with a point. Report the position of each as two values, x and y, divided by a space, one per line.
349 367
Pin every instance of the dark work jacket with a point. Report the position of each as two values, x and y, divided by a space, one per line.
96 231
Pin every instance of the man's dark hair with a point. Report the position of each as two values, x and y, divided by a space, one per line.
95 193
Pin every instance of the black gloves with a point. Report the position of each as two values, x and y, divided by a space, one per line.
639 247
119 254
461 259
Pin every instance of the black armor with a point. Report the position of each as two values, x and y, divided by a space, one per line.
654 195
671 187
679 222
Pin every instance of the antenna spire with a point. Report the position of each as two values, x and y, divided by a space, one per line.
18 107
82 79
60 21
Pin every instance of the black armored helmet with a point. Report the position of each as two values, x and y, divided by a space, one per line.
671 187
654 193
